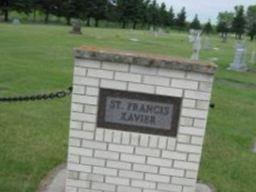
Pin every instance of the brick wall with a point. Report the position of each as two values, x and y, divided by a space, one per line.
116 161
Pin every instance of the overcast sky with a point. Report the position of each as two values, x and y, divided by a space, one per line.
206 9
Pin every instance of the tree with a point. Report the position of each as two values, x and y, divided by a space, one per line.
239 22
47 7
195 23
208 27
224 24
98 10
124 9
163 15
171 17
21 6
181 19
145 13
154 14
251 21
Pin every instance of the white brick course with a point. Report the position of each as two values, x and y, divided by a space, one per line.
128 189
128 77
133 158
79 71
113 84
119 165
87 63
106 154
117 181
120 148
103 186
145 168
147 151
159 162
141 88
183 181
169 91
143 184
100 73
168 187
131 174
105 171
184 84
171 73
115 66
154 80
85 81
157 178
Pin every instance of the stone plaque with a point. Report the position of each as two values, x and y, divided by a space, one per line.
137 112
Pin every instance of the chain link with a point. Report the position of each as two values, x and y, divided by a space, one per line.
38 97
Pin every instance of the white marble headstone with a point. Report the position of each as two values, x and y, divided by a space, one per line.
253 57
195 39
16 21
239 63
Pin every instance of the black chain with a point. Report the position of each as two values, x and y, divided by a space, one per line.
38 97
48 96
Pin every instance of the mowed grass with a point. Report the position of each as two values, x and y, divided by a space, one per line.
34 135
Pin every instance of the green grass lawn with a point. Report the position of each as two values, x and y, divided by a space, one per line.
33 136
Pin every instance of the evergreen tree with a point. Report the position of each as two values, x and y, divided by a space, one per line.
124 10
145 13
181 19
154 14
163 15
239 22
251 21
98 10
208 28
171 17
195 23
47 7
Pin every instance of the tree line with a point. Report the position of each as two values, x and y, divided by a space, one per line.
146 13
133 13
239 22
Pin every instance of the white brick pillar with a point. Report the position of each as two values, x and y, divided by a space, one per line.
120 159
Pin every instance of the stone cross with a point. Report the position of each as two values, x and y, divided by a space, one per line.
239 63
195 39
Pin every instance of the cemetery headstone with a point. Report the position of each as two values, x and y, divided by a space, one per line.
16 21
253 57
76 28
239 63
137 122
195 39
207 44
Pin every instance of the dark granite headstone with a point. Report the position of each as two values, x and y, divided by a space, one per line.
137 112
76 28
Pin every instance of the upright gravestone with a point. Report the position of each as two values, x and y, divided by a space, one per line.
15 21
253 57
76 28
137 122
195 39
207 44
239 63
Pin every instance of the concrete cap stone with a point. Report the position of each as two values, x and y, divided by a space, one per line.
144 59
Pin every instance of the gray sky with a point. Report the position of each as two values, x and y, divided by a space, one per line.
206 9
